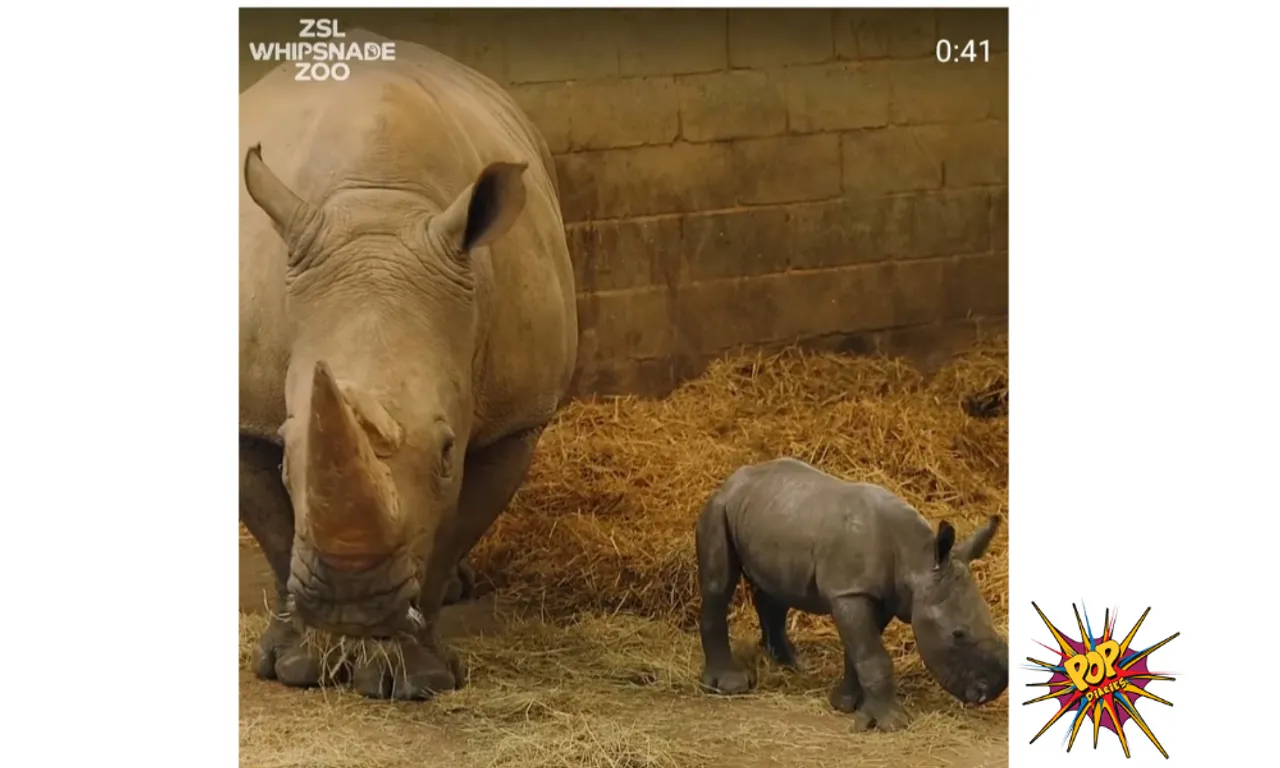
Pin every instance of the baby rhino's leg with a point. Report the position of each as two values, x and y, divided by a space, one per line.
868 666
718 575
773 628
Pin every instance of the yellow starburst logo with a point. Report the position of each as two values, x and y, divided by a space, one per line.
1100 678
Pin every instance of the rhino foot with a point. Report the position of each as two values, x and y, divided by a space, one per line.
407 669
842 699
462 587
879 715
404 669
729 681
282 655
782 652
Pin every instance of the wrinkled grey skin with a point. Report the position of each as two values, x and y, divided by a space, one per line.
808 541
407 328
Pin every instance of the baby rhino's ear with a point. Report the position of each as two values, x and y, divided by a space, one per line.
942 544
976 545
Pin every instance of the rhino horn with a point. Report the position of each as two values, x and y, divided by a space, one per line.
351 500
289 213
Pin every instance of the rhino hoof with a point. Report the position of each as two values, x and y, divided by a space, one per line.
887 719
728 681
281 655
843 700
408 671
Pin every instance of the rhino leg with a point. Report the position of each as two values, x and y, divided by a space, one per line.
719 572
462 586
846 695
773 628
419 668
860 624
266 511
491 478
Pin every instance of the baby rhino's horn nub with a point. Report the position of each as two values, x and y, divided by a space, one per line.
350 497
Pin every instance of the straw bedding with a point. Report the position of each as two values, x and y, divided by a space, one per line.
605 691
605 520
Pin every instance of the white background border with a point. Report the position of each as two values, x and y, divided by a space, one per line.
1143 327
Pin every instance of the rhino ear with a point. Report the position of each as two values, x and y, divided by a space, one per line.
976 545
290 215
942 544
486 210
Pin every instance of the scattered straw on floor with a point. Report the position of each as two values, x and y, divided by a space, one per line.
591 741
616 691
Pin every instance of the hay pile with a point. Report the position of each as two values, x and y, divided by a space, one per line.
605 520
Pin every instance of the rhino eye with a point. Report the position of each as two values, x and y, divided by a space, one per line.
958 634
446 456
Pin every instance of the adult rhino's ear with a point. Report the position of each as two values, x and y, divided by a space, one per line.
486 210
290 215
976 545
942 543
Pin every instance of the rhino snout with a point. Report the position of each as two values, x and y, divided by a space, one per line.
373 602
988 681
983 691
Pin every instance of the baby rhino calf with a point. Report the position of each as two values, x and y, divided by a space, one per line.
854 551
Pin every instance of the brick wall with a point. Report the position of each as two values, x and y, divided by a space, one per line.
751 178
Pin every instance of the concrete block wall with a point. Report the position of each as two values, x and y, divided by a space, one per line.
751 178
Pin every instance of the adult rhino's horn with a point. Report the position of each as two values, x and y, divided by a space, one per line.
290 214
352 510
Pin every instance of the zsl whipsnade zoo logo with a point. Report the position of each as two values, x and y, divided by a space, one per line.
1099 677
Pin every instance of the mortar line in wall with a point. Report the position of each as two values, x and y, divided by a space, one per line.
891 260
832 25
635 289
758 207
840 163
728 50
748 208
731 140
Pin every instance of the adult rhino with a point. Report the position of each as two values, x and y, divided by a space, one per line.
408 327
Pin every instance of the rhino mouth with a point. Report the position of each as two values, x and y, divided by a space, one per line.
375 602
977 690
979 693
974 675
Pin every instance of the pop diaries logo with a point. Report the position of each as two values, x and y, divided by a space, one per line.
322 60
1099 677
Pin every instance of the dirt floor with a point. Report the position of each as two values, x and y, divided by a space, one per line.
614 692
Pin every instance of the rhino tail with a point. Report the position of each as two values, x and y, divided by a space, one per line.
718 564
